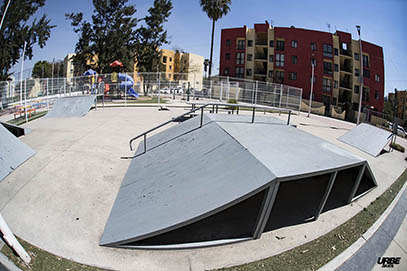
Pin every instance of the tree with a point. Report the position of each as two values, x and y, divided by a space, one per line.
43 69
151 36
111 36
16 30
215 9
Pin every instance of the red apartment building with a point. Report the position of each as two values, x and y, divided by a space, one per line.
285 55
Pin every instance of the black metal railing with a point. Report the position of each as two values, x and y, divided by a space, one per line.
202 108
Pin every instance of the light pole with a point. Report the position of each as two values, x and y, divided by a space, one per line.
360 75
312 87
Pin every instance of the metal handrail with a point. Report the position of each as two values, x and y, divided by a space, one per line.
201 121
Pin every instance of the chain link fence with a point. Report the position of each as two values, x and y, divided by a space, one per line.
127 86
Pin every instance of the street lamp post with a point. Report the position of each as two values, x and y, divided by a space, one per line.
360 75
312 88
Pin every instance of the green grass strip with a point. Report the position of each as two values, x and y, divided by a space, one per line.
315 254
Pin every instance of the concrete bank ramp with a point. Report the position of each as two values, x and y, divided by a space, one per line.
13 152
72 106
367 138
229 181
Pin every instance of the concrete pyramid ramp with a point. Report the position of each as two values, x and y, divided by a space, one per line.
72 106
229 181
367 138
13 152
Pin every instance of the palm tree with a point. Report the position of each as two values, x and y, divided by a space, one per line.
215 9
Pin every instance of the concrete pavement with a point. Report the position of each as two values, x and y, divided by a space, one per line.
60 199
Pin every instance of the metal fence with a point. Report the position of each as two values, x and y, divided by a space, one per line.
186 86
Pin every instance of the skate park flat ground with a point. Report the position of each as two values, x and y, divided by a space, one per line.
60 199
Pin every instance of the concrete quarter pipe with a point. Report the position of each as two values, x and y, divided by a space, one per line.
13 152
72 106
229 181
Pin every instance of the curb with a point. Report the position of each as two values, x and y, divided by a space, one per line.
350 251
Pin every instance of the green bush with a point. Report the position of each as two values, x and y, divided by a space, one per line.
232 101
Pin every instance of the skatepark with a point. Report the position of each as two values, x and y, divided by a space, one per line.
74 194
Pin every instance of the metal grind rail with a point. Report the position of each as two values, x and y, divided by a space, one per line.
215 106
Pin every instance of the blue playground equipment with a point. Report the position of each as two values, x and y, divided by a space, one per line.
126 83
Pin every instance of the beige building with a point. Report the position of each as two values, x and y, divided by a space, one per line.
401 103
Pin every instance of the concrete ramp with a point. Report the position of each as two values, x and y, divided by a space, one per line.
229 181
13 152
73 106
367 138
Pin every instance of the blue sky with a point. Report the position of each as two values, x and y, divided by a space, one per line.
383 23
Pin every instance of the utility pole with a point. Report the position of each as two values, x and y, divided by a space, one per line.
360 76
312 88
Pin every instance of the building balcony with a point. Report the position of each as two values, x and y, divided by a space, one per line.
347 68
260 57
260 72
261 42
347 53
346 85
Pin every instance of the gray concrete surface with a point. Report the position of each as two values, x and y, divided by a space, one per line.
367 138
67 190
71 106
13 152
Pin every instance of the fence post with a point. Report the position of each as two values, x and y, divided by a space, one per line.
255 96
210 90
25 100
281 95
159 87
47 95
237 92
221 91
64 86
228 92
299 106
125 92
288 92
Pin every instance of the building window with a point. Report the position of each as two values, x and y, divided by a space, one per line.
366 73
326 84
313 62
356 56
227 56
280 76
250 43
336 51
293 76
356 89
271 74
336 67
164 59
365 61
313 46
228 43
239 58
294 43
365 96
169 67
226 71
272 43
294 59
248 72
357 72
327 68
335 83
249 57
239 72
240 44
377 78
326 99
280 60
170 59
327 50
334 101
271 58
280 45
376 95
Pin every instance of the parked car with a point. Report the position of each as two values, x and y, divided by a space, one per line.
400 130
